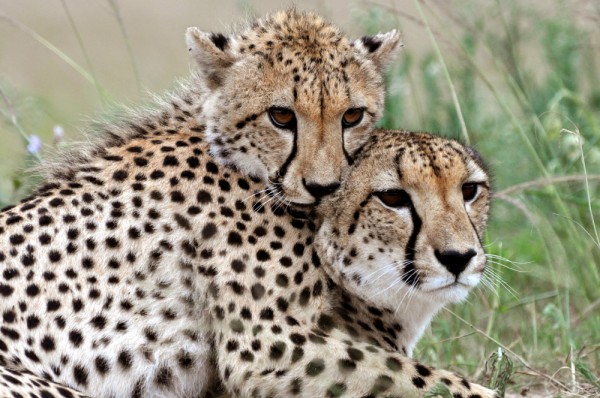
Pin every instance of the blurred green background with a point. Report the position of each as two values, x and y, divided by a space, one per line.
518 80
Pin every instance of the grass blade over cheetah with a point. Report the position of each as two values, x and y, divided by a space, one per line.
329 90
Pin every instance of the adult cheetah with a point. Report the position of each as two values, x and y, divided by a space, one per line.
151 270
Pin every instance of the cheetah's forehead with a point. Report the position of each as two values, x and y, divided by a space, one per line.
429 152
294 30
416 156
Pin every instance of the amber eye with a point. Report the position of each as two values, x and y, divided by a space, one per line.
282 117
352 117
397 199
469 190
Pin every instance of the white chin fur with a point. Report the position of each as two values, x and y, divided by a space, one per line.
436 292
441 288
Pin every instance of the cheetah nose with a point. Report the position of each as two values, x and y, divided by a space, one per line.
318 190
454 261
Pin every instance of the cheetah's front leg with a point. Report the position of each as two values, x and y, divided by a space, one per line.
305 363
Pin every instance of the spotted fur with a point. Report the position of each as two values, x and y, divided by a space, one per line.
297 61
416 258
149 269
145 267
19 383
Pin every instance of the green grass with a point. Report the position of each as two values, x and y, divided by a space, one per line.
521 84
526 83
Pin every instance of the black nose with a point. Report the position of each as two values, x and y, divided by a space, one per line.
454 261
318 190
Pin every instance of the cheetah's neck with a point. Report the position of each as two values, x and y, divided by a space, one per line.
415 316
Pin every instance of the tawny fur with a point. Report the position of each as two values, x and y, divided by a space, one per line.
144 267
152 270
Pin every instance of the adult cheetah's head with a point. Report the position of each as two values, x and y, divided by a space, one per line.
291 99
406 225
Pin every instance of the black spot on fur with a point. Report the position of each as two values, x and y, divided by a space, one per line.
219 40
125 359
80 375
102 365
371 43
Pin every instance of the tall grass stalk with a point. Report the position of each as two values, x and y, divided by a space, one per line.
117 15
438 52
587 181
84 52
40 39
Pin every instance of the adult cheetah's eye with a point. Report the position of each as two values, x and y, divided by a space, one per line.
282 117
398 198
352 117
469 190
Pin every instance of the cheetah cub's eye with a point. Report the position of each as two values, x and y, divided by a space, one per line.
352 117
469 191
396 199
282 118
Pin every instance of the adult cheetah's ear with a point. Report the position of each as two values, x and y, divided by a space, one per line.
212 52
381 48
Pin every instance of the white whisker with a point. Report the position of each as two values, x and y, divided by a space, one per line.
501 258
257 193
506 266
485 283
497 278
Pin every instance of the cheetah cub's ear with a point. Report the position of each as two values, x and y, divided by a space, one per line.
212 52
381 48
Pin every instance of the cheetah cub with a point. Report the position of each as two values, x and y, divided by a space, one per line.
290 99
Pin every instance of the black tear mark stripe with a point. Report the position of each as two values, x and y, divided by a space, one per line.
349 158
284 168
479 238
410 275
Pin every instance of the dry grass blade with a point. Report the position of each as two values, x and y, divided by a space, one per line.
22 27
591 309
544 182
83 51
117 14
577 134
519 205
438 52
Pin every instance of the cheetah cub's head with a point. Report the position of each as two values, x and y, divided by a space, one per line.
405 229
291 99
